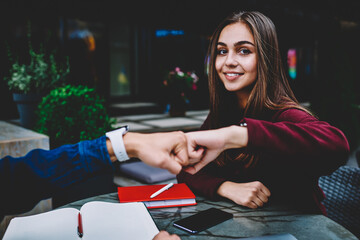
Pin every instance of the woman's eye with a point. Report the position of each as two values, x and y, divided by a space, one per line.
244 51
221 52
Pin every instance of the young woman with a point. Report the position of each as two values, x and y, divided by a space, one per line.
267 146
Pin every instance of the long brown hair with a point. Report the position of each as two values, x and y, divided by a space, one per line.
271 90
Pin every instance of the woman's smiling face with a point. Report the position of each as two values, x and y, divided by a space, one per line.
236 60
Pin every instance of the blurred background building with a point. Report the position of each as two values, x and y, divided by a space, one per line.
123 48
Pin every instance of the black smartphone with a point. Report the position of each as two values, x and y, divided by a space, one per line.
202 220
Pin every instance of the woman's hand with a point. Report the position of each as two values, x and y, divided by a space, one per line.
163 235
252 194
205 146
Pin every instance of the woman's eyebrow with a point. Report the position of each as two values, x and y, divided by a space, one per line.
242 43
239 43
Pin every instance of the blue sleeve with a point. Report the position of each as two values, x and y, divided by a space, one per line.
24 181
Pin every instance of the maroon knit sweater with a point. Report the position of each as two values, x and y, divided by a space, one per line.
294 149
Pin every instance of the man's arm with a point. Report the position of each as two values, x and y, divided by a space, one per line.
26 180
162 150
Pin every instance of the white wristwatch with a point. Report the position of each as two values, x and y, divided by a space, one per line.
117 142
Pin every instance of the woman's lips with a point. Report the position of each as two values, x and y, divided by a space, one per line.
232 76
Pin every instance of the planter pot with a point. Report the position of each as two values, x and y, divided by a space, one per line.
177 107
27 105
177 110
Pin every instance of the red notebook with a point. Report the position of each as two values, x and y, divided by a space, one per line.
176 196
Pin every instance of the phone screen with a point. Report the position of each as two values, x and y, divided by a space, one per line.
203 220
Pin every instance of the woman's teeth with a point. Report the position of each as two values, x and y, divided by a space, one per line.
232 74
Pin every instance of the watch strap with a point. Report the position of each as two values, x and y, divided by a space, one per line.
117 142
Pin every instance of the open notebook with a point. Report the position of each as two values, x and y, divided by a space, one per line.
100 220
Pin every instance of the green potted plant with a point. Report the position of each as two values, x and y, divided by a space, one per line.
71 114
30 80
179 87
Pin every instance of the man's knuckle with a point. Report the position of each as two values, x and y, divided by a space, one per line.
257 184
254 190
162 161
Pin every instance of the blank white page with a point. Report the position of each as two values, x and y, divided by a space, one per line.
125 221
57 224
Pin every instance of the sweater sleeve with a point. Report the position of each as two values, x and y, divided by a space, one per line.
296 133
292 135
204 182
25 181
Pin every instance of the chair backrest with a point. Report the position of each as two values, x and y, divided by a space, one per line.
342 201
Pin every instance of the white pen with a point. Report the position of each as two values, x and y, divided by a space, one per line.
162 190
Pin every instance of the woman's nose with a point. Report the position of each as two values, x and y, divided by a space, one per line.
231 60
